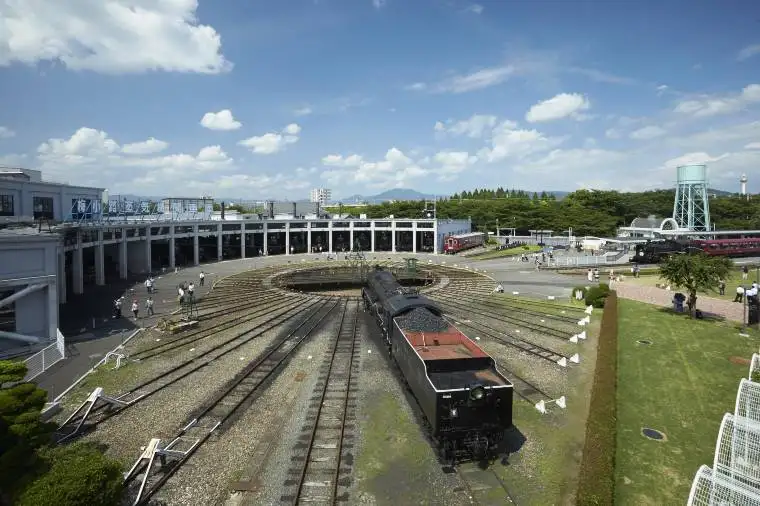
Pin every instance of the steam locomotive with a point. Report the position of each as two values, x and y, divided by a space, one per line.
655 251
466 400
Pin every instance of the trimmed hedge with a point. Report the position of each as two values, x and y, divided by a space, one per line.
597 294
596 484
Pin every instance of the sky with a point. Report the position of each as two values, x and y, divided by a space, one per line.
259 99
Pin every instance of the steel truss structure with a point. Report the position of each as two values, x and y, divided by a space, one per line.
734 478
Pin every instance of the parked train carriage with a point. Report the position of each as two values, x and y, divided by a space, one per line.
456 243
730 247
466 400
657 250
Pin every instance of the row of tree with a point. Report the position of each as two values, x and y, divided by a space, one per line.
587 212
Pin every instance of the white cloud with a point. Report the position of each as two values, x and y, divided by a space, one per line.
416 87
451 163
557 107
752 145
395 169
648 132
303 111
475 8
147 147
508 141
478 80
612 133
222 120
707 105
113 36
271 143
378 4
693 158
475 126
6 133
342 161
92 157
748 52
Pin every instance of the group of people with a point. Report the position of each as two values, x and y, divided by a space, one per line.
750 292
184 290
135 307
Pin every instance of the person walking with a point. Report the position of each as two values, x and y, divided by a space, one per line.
149 284
745 272
722 286
739 297
149 306
117 308
191 289
202 277
135 308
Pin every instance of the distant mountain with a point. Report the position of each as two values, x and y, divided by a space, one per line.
395 194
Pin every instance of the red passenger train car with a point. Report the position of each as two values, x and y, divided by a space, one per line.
729 247
455 243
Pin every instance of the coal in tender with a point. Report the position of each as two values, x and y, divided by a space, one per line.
421 320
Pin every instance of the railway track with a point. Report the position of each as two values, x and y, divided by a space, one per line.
271 313
484 486
455 303
233 397
168 378
324 450
489 301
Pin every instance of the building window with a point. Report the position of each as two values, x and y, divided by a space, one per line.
6 205
43 208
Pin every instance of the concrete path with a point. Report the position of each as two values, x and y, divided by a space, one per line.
661 297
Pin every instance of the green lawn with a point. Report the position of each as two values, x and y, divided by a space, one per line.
734 280
510 252
680 385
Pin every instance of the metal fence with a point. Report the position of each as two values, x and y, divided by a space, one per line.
46 358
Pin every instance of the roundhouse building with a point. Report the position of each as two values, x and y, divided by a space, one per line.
86 241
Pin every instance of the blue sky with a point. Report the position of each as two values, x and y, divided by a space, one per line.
262 99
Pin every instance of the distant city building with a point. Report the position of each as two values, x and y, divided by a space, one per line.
320 195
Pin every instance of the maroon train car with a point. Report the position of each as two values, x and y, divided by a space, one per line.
455 243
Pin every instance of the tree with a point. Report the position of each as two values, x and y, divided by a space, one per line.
21 430
695 273
76 475
33 472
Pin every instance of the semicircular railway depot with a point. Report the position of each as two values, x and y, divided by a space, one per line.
277 387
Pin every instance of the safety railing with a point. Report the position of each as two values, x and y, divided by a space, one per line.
46 357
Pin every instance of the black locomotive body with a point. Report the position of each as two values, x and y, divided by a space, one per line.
466 400
657 250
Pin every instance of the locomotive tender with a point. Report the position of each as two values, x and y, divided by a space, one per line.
466 400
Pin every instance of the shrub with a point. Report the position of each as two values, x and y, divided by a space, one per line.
526 247
596 296
76 475
597 475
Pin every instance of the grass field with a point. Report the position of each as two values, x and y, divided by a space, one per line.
734 280
510 252
681 385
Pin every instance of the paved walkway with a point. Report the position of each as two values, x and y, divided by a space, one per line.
87 348
662 297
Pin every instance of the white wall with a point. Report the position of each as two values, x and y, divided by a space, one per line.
24 192
26 260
